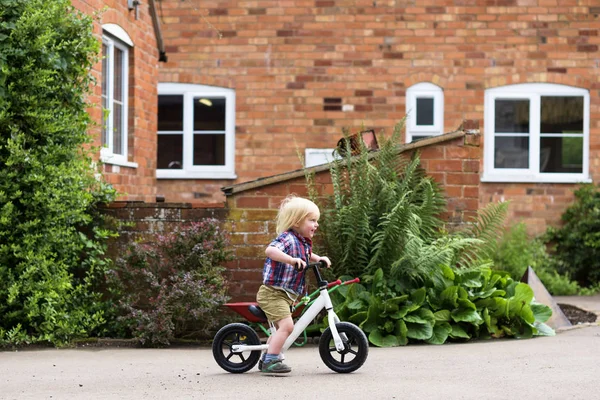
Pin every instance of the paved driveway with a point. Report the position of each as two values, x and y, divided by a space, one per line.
562 367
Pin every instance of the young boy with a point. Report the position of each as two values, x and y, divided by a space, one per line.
283 273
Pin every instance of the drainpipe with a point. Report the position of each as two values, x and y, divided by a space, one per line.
162 54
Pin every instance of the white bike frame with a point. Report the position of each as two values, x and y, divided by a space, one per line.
323 301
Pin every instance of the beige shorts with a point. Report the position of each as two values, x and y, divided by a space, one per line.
274 302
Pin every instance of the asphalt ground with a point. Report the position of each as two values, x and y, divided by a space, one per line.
565 366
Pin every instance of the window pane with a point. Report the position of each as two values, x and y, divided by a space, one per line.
512 116
209 114
170 113
118 78
209 149
511 152
104 94
561 115
117 128
170 152
561 154
424 111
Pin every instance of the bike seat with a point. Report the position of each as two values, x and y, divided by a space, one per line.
257 312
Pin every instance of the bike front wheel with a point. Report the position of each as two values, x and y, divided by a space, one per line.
228 336
356 348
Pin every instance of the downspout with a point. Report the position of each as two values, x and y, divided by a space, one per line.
162 54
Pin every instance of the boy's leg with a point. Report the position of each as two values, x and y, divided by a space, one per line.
271 362
277 340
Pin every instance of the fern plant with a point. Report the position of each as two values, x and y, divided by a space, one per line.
376 200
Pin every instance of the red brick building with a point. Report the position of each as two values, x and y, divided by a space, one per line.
249 85
527 70
127 79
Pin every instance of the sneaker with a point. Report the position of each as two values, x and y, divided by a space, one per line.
274 366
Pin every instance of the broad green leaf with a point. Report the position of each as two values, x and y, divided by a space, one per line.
440 333
541 312
397 300
383 340
419 331
418 296
420 316
471 279
484 293
467 315
355 304
458 332
401 332
447 272
543 329
527 314
523 296
465 303
442 315
358 318
526 331
449 296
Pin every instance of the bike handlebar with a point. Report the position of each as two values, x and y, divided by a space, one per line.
315 266
338 282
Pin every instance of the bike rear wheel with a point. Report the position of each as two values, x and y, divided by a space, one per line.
233 334
356 348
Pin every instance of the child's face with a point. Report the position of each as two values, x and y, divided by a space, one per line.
308 225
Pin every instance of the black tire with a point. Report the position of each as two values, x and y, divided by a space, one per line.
227 359
356 348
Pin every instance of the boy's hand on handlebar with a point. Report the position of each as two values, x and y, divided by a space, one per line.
325 260
298 263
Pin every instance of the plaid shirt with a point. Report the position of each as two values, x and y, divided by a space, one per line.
285 275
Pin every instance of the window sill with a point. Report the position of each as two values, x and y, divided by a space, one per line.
555 178
180 174
112 160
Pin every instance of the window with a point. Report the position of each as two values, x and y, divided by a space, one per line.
114 81
425 111
536 133
314 156
196 132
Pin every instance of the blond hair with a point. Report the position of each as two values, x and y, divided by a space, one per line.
293 210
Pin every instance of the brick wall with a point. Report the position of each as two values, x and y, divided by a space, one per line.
144 221
250 209
253 206
287 60
132 183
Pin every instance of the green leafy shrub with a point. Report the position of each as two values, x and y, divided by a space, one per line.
171 287
517 251
419 282
51 248
577 242
465 304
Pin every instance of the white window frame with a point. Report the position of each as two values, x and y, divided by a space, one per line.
421 90
533 92
314 156
115 37
190 171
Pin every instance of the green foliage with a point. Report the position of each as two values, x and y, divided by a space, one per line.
419 283
465 304
377 203
51 249
577 242
172 285
517 251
